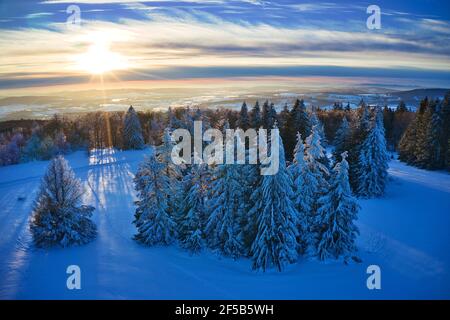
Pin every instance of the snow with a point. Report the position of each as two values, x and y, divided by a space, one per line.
405 233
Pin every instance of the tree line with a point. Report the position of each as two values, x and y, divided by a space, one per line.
306 209
28 140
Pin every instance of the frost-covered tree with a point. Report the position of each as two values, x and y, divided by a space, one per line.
316 155
315 121
336 215
194 209
315 185
58 218
226 207
275 243
152 219
373 161
132 131
304 195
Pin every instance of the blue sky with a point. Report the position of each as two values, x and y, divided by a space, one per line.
164 40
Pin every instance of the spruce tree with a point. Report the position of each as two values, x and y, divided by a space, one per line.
316 185
255 117
336 215
297 121
226 205
373 161
132 131
275 243
342 139
152 219
244 120
58 218
194 209
304 184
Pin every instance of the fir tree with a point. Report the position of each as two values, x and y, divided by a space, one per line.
152 219
243 121
195 209
304 194
58 218
226 205
342 139
316 185
266 115
336 214
275 243
255 117
297 121
373 161
132 131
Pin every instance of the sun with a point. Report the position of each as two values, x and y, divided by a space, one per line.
99 59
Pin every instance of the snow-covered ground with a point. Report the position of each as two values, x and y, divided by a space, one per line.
406 233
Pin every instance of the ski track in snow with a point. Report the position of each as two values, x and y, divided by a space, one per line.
115 266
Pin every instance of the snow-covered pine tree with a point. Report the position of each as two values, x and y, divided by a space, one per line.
172 172
132 131
304 194
316 185
194 209
152 220
316 155
255 116
58 219
243 121
336 215
314 120
342 140
373 161
275 243
226 207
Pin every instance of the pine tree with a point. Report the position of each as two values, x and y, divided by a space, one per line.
132 131
407 143
243 121
297 121
194 207
360 127
316 185
152 219
255 117
58 219
435 152
373 161
266 115
342 139
304 195
314 120
275 243
226 205
336 214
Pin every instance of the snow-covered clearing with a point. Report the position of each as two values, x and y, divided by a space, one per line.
406 233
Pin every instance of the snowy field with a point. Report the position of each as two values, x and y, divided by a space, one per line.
406 233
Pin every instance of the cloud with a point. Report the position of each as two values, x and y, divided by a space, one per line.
197 40
38 15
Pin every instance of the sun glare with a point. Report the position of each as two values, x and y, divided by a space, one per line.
100 59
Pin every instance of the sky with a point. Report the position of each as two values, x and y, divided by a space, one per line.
165 41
